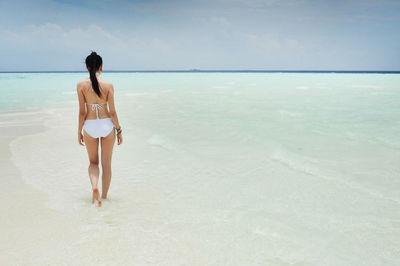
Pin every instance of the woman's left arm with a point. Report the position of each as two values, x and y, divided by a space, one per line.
82 112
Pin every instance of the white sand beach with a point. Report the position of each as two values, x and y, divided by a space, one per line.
31 232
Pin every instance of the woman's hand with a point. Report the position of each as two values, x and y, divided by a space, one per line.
80 139
119 138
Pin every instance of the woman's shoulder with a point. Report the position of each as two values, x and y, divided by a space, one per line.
106 83
106 86
82 83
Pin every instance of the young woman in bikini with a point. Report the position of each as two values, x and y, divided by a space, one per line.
97 122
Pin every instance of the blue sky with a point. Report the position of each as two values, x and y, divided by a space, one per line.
219 34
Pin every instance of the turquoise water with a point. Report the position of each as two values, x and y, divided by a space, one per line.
364 105
241 168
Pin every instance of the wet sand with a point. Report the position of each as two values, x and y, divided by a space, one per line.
32 234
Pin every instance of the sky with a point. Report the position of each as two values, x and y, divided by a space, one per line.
48 35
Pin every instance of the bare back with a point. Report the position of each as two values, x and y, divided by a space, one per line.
106 88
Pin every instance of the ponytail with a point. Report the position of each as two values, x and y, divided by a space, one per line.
93 62
95 83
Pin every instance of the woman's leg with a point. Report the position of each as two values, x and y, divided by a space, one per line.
107 144
92 147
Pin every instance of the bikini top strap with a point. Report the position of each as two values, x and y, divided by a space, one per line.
96 106
96 103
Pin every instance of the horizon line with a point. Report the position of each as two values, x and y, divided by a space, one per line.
211 71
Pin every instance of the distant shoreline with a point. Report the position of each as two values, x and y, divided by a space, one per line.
219 71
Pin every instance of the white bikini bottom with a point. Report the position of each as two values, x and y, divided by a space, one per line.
98 127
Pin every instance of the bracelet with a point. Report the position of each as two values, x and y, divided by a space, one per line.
119 130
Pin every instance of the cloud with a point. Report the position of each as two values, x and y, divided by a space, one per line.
49 42
50 34
54 36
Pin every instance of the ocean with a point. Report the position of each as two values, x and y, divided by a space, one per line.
221 168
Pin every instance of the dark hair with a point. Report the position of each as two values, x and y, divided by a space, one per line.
93 63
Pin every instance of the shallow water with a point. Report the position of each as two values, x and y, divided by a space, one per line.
225 168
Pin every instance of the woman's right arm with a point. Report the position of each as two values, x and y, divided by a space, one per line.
113 112
111 105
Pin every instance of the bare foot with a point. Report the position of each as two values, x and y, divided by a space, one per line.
96 196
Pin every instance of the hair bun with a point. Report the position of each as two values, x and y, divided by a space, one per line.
93 53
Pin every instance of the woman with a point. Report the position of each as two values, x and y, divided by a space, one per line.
97 122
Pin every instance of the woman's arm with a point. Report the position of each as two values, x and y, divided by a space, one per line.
82 110
111 105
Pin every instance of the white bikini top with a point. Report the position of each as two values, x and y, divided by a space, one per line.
96 106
